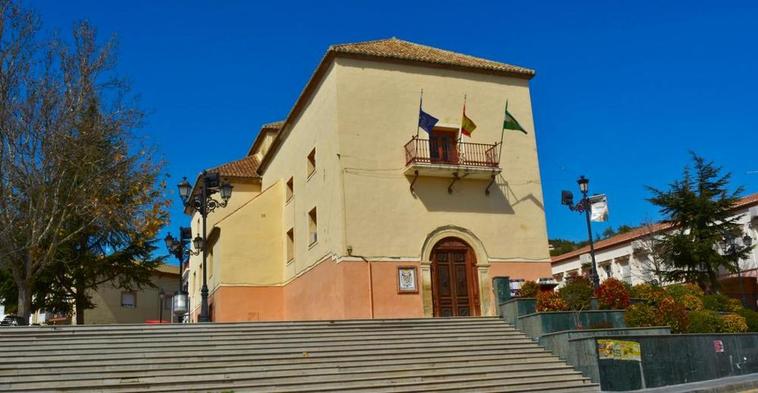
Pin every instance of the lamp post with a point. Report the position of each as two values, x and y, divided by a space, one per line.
583 206
178 248
161 296
204 203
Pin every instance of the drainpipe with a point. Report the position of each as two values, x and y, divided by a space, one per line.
370 279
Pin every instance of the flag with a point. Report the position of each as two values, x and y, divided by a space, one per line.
599 208
510 122
426 121
467 125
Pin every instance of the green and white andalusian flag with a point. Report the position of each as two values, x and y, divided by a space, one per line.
510 122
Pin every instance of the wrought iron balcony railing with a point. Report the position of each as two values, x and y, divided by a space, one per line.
451 152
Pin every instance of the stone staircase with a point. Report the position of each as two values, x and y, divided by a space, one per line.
398 355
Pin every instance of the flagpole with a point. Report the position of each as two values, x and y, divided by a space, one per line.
463 114
420 102
502 132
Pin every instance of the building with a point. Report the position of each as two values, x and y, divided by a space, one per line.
344 210
116 305
148 304
627 256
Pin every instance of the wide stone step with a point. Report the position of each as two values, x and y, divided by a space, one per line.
290 338
303 381
399 355
291 350
511 355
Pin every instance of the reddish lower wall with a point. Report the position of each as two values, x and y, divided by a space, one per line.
332 290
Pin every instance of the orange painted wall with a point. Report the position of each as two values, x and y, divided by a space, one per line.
525 270
332 290
238 304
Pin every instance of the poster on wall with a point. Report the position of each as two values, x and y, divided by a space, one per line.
406 279
618 350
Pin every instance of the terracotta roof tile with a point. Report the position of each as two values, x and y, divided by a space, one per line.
638 233
274 125
246 167
394 48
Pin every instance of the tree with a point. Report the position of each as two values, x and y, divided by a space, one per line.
699 208
83 207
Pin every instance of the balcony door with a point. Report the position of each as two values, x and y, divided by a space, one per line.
454 283
443 146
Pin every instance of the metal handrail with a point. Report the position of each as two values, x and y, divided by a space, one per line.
427 151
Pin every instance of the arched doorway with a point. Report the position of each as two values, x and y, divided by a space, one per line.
455 287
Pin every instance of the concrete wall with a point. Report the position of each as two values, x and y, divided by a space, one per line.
671 359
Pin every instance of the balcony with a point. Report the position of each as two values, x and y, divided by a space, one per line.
446 157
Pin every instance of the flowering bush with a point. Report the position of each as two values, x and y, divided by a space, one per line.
679 291
733 323
673 314
641 315
650 294
612 294
691 302
550 301
751 318
577 293
528 289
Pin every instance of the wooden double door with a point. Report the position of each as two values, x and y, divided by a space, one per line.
455 288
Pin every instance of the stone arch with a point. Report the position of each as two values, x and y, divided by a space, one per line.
482 264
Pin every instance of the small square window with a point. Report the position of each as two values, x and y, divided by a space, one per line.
290 188
128 300
312 162
312 226
290 245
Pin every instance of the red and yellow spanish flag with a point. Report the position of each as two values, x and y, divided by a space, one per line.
467 125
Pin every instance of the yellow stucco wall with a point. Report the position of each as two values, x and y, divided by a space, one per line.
378 113
315 127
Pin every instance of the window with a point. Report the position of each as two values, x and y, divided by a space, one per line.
290 245
290 188
311 162
312 226
128 300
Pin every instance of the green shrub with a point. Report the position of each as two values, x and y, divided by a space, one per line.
550 301
612 294
577 293
679 291
692 303
642 315
751 319
733 323
721 303
706 321
528 289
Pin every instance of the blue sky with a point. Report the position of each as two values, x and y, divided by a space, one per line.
623 89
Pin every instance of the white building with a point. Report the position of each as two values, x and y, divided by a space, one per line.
626 256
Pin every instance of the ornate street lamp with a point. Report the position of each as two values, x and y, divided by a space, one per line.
178 248
204 203
583 206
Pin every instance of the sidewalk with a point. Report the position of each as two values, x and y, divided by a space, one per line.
742 383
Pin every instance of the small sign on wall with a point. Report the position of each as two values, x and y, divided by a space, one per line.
407 281
718 346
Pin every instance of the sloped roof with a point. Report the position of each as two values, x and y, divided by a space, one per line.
274 126
638 233
246 167
394 48
168 269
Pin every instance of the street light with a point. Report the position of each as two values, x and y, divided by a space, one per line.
161 295
204 203
583 206
178 248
